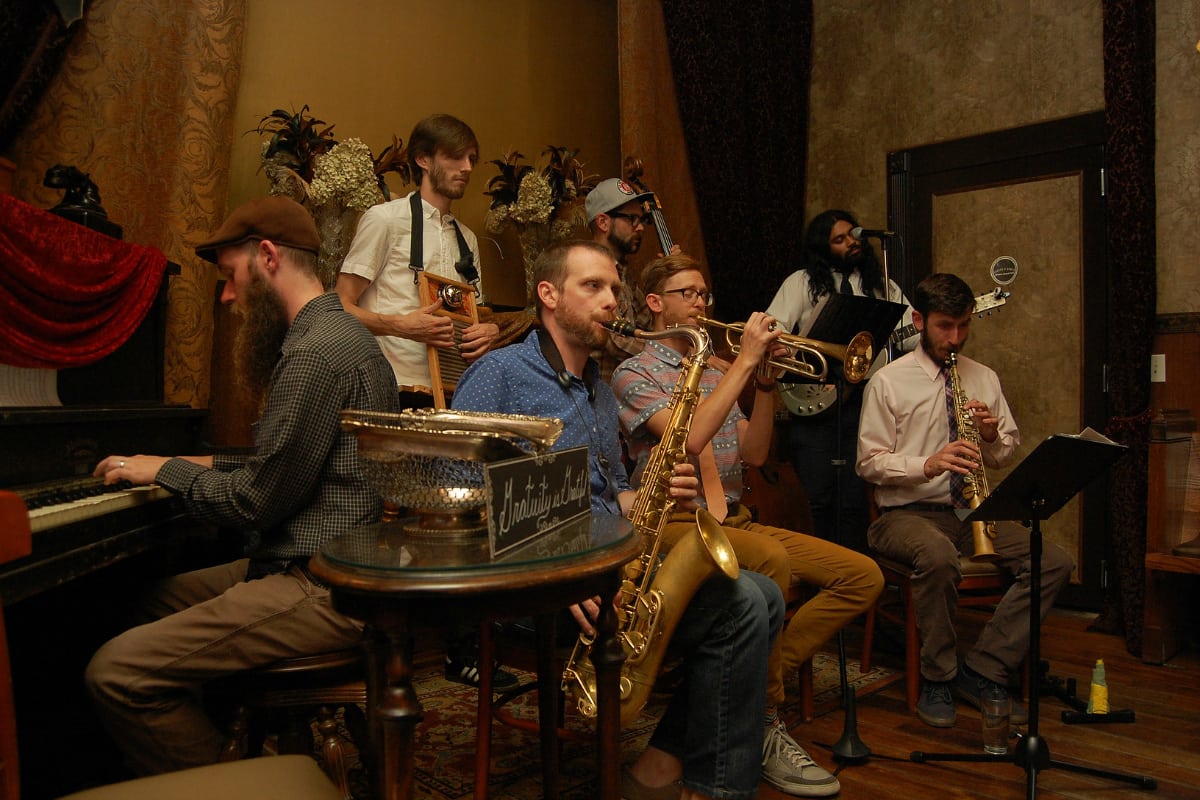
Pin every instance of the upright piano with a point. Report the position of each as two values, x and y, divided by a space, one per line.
114 405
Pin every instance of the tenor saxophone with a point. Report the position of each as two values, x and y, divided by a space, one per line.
975 484
653 594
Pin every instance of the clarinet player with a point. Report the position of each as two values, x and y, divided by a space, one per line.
909 448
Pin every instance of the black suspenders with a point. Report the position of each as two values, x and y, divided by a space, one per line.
416 259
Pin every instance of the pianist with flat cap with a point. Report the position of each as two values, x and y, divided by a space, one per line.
301 486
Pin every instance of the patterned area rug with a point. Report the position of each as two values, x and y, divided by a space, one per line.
445 747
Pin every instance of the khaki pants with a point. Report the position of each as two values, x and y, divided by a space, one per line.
206 624
931 542
846 584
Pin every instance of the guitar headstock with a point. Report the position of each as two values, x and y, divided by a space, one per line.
990 301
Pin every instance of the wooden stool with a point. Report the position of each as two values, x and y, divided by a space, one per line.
798 594
300 688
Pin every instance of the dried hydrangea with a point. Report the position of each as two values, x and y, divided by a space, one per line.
560 229
496 219
346 174
535 200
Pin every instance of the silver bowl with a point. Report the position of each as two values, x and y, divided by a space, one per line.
431 462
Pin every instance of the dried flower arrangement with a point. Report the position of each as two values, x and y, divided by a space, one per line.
543 206
335 181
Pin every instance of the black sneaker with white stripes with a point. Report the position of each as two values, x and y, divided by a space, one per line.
467 672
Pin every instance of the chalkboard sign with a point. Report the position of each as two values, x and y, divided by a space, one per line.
535 494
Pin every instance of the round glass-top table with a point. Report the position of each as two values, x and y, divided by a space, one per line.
393 579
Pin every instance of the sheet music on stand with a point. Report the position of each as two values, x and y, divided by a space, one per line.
1057 469
838 318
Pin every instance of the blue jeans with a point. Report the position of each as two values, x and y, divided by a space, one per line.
714 722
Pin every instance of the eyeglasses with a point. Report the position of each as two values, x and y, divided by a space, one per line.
633 219
689 295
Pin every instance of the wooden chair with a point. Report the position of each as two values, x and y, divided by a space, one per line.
520 654
981 585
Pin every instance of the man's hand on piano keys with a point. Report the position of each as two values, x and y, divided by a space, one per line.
138 470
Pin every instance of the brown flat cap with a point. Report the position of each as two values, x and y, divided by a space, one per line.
279 219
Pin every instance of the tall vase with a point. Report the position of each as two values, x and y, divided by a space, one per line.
336 224
533 238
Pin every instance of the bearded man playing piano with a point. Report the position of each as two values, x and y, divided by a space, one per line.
300 487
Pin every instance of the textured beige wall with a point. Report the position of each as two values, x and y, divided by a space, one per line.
1034 342
1177 159
892 75
524 75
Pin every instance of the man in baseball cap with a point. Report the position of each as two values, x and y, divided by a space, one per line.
617 219
302 485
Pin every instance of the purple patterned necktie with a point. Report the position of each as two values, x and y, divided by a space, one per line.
957 481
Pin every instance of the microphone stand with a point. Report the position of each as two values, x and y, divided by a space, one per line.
849 747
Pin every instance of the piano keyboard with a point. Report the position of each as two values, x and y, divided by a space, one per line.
60 503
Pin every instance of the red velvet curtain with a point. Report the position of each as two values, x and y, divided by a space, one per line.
68 295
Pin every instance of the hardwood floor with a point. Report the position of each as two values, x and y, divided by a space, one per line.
1163 742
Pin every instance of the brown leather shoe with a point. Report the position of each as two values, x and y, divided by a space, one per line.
633 789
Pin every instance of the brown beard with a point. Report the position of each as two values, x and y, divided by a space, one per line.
624 247
441 184
264 325
930 350
582 328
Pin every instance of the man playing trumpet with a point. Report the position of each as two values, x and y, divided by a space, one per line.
720 438
908 448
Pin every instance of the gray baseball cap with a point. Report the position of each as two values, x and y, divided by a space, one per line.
610 195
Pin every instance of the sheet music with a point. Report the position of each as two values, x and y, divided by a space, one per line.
1090 435
24 387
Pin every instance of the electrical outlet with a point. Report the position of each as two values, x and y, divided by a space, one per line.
1158 368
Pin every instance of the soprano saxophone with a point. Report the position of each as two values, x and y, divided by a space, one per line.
654 595
975 484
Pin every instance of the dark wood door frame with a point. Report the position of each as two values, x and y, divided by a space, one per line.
1071 146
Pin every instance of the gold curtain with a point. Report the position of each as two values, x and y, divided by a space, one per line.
650 126
144 103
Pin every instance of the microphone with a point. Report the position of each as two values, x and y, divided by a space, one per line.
860 232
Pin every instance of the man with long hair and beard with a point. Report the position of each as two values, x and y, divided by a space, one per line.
709 741
301 486
834 261
911 447
263 325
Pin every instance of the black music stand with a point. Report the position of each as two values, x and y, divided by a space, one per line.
1058 469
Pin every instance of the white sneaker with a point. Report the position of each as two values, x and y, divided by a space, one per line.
788 768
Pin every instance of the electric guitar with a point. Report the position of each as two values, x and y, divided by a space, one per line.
810 399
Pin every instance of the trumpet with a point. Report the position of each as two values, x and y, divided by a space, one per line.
808 358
